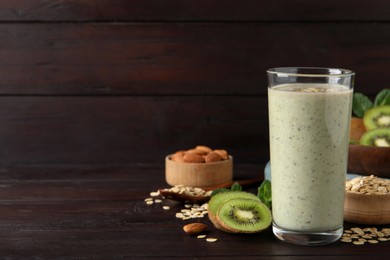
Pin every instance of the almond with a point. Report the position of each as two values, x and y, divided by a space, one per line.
193 158
194 228
178 157
204 148
213 157
223 153
200 154
197 151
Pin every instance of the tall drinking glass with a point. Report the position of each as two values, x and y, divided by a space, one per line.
309 115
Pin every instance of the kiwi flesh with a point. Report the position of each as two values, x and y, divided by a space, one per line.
218 199
376 137
377 117
243 216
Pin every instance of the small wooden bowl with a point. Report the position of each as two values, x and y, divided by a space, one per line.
198 174
373 209
369 160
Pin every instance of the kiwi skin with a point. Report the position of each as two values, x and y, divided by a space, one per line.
218 199
228 225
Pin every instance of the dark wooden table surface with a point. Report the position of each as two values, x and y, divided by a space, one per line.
99 212
99 82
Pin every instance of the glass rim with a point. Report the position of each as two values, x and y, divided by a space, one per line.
316 72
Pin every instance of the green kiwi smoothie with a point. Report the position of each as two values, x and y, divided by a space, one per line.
309 135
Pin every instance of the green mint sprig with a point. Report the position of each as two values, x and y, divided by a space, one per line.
264 193
234 187
383 98
361 103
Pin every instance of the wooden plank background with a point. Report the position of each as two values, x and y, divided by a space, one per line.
124 82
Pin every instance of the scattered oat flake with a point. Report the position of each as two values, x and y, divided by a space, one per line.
149 202
166 207
179 215
201 236
155 194
358 242
211 239
360 236
157 201
358 231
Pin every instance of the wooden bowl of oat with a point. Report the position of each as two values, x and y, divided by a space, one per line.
199 167
367 201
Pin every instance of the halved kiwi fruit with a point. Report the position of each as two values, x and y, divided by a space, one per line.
376 137
377 117
218 199
243 216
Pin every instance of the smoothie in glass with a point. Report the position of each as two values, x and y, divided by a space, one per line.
309 140
309 115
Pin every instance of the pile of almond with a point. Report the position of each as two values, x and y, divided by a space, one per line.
200 154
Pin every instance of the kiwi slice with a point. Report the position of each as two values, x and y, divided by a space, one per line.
377 117
376 137
243 216
218 199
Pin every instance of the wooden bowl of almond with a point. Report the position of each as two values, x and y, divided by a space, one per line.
199 167
367 201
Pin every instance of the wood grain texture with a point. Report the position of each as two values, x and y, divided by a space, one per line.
94 94
181 59
98 130
124 82
175 59
98 212
187 10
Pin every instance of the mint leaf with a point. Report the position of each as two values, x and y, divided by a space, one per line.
236 187
360 104
265 194
383 98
